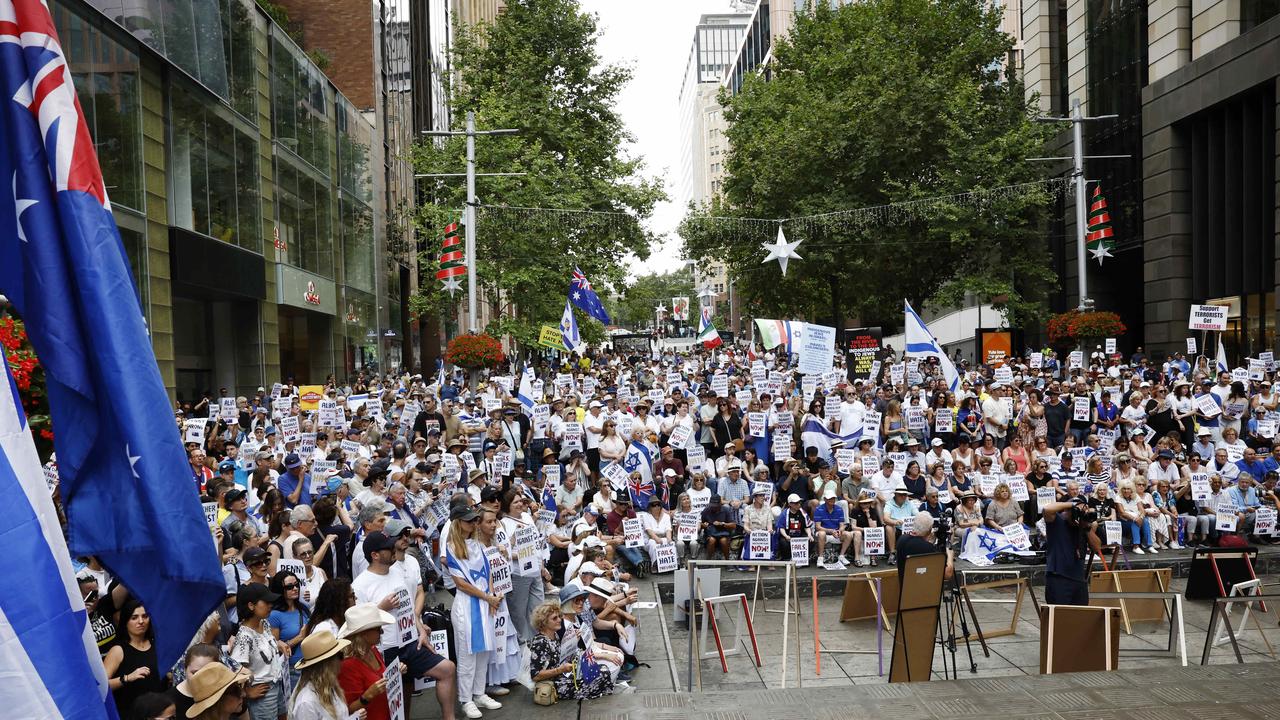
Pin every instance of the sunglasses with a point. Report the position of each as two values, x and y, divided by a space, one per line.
258 563
303 555
290 586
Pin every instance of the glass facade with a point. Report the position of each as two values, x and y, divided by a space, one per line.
210 40
303 205
213 170
301 98
754 49
107 83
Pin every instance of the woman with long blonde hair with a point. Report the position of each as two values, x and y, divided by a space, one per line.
318 694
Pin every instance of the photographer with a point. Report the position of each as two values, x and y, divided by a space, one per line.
1068 527
921 541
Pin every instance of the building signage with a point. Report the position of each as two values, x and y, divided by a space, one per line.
305 290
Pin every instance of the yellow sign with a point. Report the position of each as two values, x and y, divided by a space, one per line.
309 396
550 337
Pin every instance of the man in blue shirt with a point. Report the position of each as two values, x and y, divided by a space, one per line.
1209 422
829 522
1251 464
295 482
1272 461
1245 497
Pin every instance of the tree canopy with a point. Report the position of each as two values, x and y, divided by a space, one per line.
869 104
536 68
635 309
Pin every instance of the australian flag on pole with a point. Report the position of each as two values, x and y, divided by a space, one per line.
586 299
62 265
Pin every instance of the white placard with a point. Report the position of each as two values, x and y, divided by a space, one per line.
294 566
499 572
1200 489
916 420
1226 521
1191 346
1075 359
290 429
667 560
1206 405
1257 369
758 547
1208 317
633 532
870 465
1264 521
616 474
720 385
51 476
1037 360
845 459
193 431
503 462
1017 536
395 688
687 526
758 422
697 458
816 347
679 437
1080 409
800 551
1044 496
873 541
1110 346
403 613
831 406
227 410
210 514
1018 489
1115 532
944 421
987 484
781 447
1004 374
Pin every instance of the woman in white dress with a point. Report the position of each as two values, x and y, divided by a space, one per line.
504 661
474 611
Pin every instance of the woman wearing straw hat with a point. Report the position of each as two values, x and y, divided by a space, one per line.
361 672
218 692
318 696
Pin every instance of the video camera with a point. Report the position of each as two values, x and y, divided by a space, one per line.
942 527
1081 513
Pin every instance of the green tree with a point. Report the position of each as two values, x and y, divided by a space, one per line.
648 291
536 68
869 104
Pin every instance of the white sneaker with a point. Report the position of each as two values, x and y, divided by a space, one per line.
486 702
844 562
471 711
1138 551
1152 549
495 690
1175 545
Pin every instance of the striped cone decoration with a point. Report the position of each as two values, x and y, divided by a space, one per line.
452 264
1100 237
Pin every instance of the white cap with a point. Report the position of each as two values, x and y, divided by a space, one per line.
937 442
668 473
594 404
793 498
829 494
589 567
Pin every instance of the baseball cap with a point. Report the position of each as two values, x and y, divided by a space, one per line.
375 541
255 554
395 527
255 592
793 498
292 461
589 567
235 494
226 466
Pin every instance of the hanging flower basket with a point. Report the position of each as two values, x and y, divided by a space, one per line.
475 352
28 375
1071 327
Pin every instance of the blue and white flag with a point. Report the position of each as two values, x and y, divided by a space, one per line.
639 460
569 329
525 392
815 434
921 343
980 546
585 298
62 265
1222 364
48 654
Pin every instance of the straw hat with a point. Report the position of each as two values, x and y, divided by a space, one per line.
208 684
320 647
363 617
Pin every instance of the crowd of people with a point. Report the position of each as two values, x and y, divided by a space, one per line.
530 501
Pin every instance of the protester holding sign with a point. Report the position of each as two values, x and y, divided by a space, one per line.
475 608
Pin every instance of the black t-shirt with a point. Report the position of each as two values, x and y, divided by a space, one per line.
1064 548
912 545
426 421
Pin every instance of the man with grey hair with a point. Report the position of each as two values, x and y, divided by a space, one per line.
303 521
920 541
371 518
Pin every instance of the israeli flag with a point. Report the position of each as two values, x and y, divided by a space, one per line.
48 654
920 343
569 328
815 434
525 392
1222 364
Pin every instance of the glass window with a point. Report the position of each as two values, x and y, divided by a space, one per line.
357 243
213 170
301 97
133 235
303 200
106 77
354 140
239 21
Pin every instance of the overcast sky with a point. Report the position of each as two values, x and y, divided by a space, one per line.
653 38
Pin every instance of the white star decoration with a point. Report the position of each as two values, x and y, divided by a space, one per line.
782 251
133 460
22 206
452 285
1100 252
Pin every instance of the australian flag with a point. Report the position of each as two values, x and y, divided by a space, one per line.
588 668
586 299
63 267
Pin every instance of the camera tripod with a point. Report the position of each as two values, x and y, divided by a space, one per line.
954 605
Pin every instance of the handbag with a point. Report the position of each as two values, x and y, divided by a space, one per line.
544 693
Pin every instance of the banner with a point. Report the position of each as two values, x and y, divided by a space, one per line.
862 346
680 309
549 337
994 346
309 396
817 347
1208 317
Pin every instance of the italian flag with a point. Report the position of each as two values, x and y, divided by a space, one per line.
707 334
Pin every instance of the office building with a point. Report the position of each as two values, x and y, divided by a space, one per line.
246 187
1194 205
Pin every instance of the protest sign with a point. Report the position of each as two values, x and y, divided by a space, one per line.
816 346
757 422
679 437
1191 346
499 572
193 431
633 532
686 527
1017 536
667 560
1208 317
1115 532
943 421
1044 496
1080 409
290 430
800 551
1200 489
697 458
394 689
210 514
758 547
1264 521
873 541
